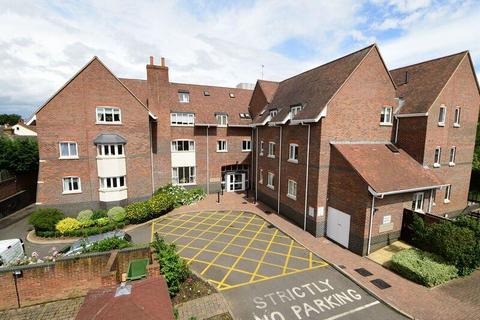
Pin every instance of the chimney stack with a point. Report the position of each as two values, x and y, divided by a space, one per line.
151 60
162 62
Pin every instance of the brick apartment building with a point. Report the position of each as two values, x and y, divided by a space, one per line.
340 150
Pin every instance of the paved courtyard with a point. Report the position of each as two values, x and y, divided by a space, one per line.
262 272
232 249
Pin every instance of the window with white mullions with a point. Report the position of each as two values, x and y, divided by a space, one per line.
293 153
222 120
453 155
110 150
183 145
183 97
295 110
456 118
261 147
112 183
183 175
417 204
222 146
246 145
72 185
270 180
68 150
437 157
260 178
292 189
442 115
182 119
108 115
386 115
448 193
271 149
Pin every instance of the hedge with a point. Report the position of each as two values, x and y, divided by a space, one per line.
422 267
84 232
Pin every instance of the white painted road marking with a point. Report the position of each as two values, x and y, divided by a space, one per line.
354 310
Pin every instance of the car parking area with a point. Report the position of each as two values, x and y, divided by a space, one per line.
234 248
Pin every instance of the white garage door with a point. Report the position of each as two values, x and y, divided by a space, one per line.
338 226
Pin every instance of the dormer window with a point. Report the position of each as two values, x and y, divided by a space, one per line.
273 113
442 115
295 110
222 120
183 96
245 116
386 116
232 95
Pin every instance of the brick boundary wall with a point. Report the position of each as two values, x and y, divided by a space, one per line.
69 277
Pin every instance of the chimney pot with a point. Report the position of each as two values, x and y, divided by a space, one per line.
162 62
151 60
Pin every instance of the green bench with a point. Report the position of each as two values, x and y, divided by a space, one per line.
137 269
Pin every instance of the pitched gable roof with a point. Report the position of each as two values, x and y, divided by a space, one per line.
95 58
386 171
420 84
314 88
269 88
204 106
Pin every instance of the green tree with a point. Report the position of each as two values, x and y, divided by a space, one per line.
10 119
18 155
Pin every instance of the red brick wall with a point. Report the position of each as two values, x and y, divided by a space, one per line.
258 101
66 278
70 116
411 136
460 91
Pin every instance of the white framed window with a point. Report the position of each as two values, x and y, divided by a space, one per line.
112 183
417 204
273 113
244 115
246 145
182 119
109 115
222 146
183 97
261 147
293 153
68 150
270 180
294 110
442 115
437 157
271 149
183 175
71 185
260 178
110 150
292 190
453 155
387 219
183 145
448 193
231 95
222 120
456 117
386 116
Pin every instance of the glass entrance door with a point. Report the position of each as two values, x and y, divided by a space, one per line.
235 181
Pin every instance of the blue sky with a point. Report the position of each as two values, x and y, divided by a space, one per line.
43 43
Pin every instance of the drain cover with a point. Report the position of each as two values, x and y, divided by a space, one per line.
380 284
364 272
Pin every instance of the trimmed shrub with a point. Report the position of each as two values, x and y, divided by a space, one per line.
172 267
67 225
85 223
108 244
179 195
100 213
195 194
138 212
85 215
102 222
116 214
422 267
45 219
160 203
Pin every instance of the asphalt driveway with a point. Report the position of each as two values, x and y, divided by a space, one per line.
262 272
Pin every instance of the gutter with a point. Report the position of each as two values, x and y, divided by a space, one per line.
382 194
306 180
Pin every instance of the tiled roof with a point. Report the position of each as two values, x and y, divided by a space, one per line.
313 88
420 84
204 106
387 171
269 88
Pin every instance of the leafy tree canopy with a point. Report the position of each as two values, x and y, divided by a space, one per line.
18 155
10 119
